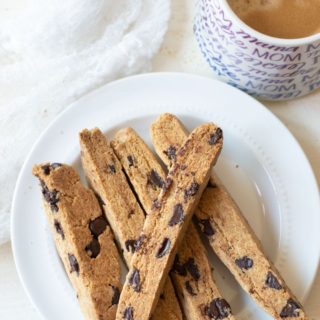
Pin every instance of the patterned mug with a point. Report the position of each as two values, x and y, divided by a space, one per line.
266 67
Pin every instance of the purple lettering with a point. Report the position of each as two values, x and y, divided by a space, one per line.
313 46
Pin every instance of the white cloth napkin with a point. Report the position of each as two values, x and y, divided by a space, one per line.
53 52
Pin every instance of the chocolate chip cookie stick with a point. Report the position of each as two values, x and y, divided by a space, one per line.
104 172
229 234
191 273
164 228
83 239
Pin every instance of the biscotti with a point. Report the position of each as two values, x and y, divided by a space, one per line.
164 228
229 234
142 168
192 275
105 175
83 239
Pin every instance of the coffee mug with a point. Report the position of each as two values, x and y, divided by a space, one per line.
263 66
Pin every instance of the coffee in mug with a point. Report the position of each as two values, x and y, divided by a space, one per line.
287 19
280 61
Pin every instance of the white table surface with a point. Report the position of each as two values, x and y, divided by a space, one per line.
180 53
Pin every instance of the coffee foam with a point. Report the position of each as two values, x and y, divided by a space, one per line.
244 7
280 18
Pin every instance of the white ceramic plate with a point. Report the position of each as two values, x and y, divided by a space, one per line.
262 165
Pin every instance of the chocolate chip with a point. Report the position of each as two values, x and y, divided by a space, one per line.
165 246
138 242
162 296
272 281
205 227
53 203
55 165
244 263
193 269
130 245
93 248
128 313
291 309
46 169
58 228
218 309
73 263
50 196
178 267
98 225
154 179
223 307
134 280
171 153
189 288
116 295
112 168
177 216
101 202
212 311
215 137
167 184
192 190
130 161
